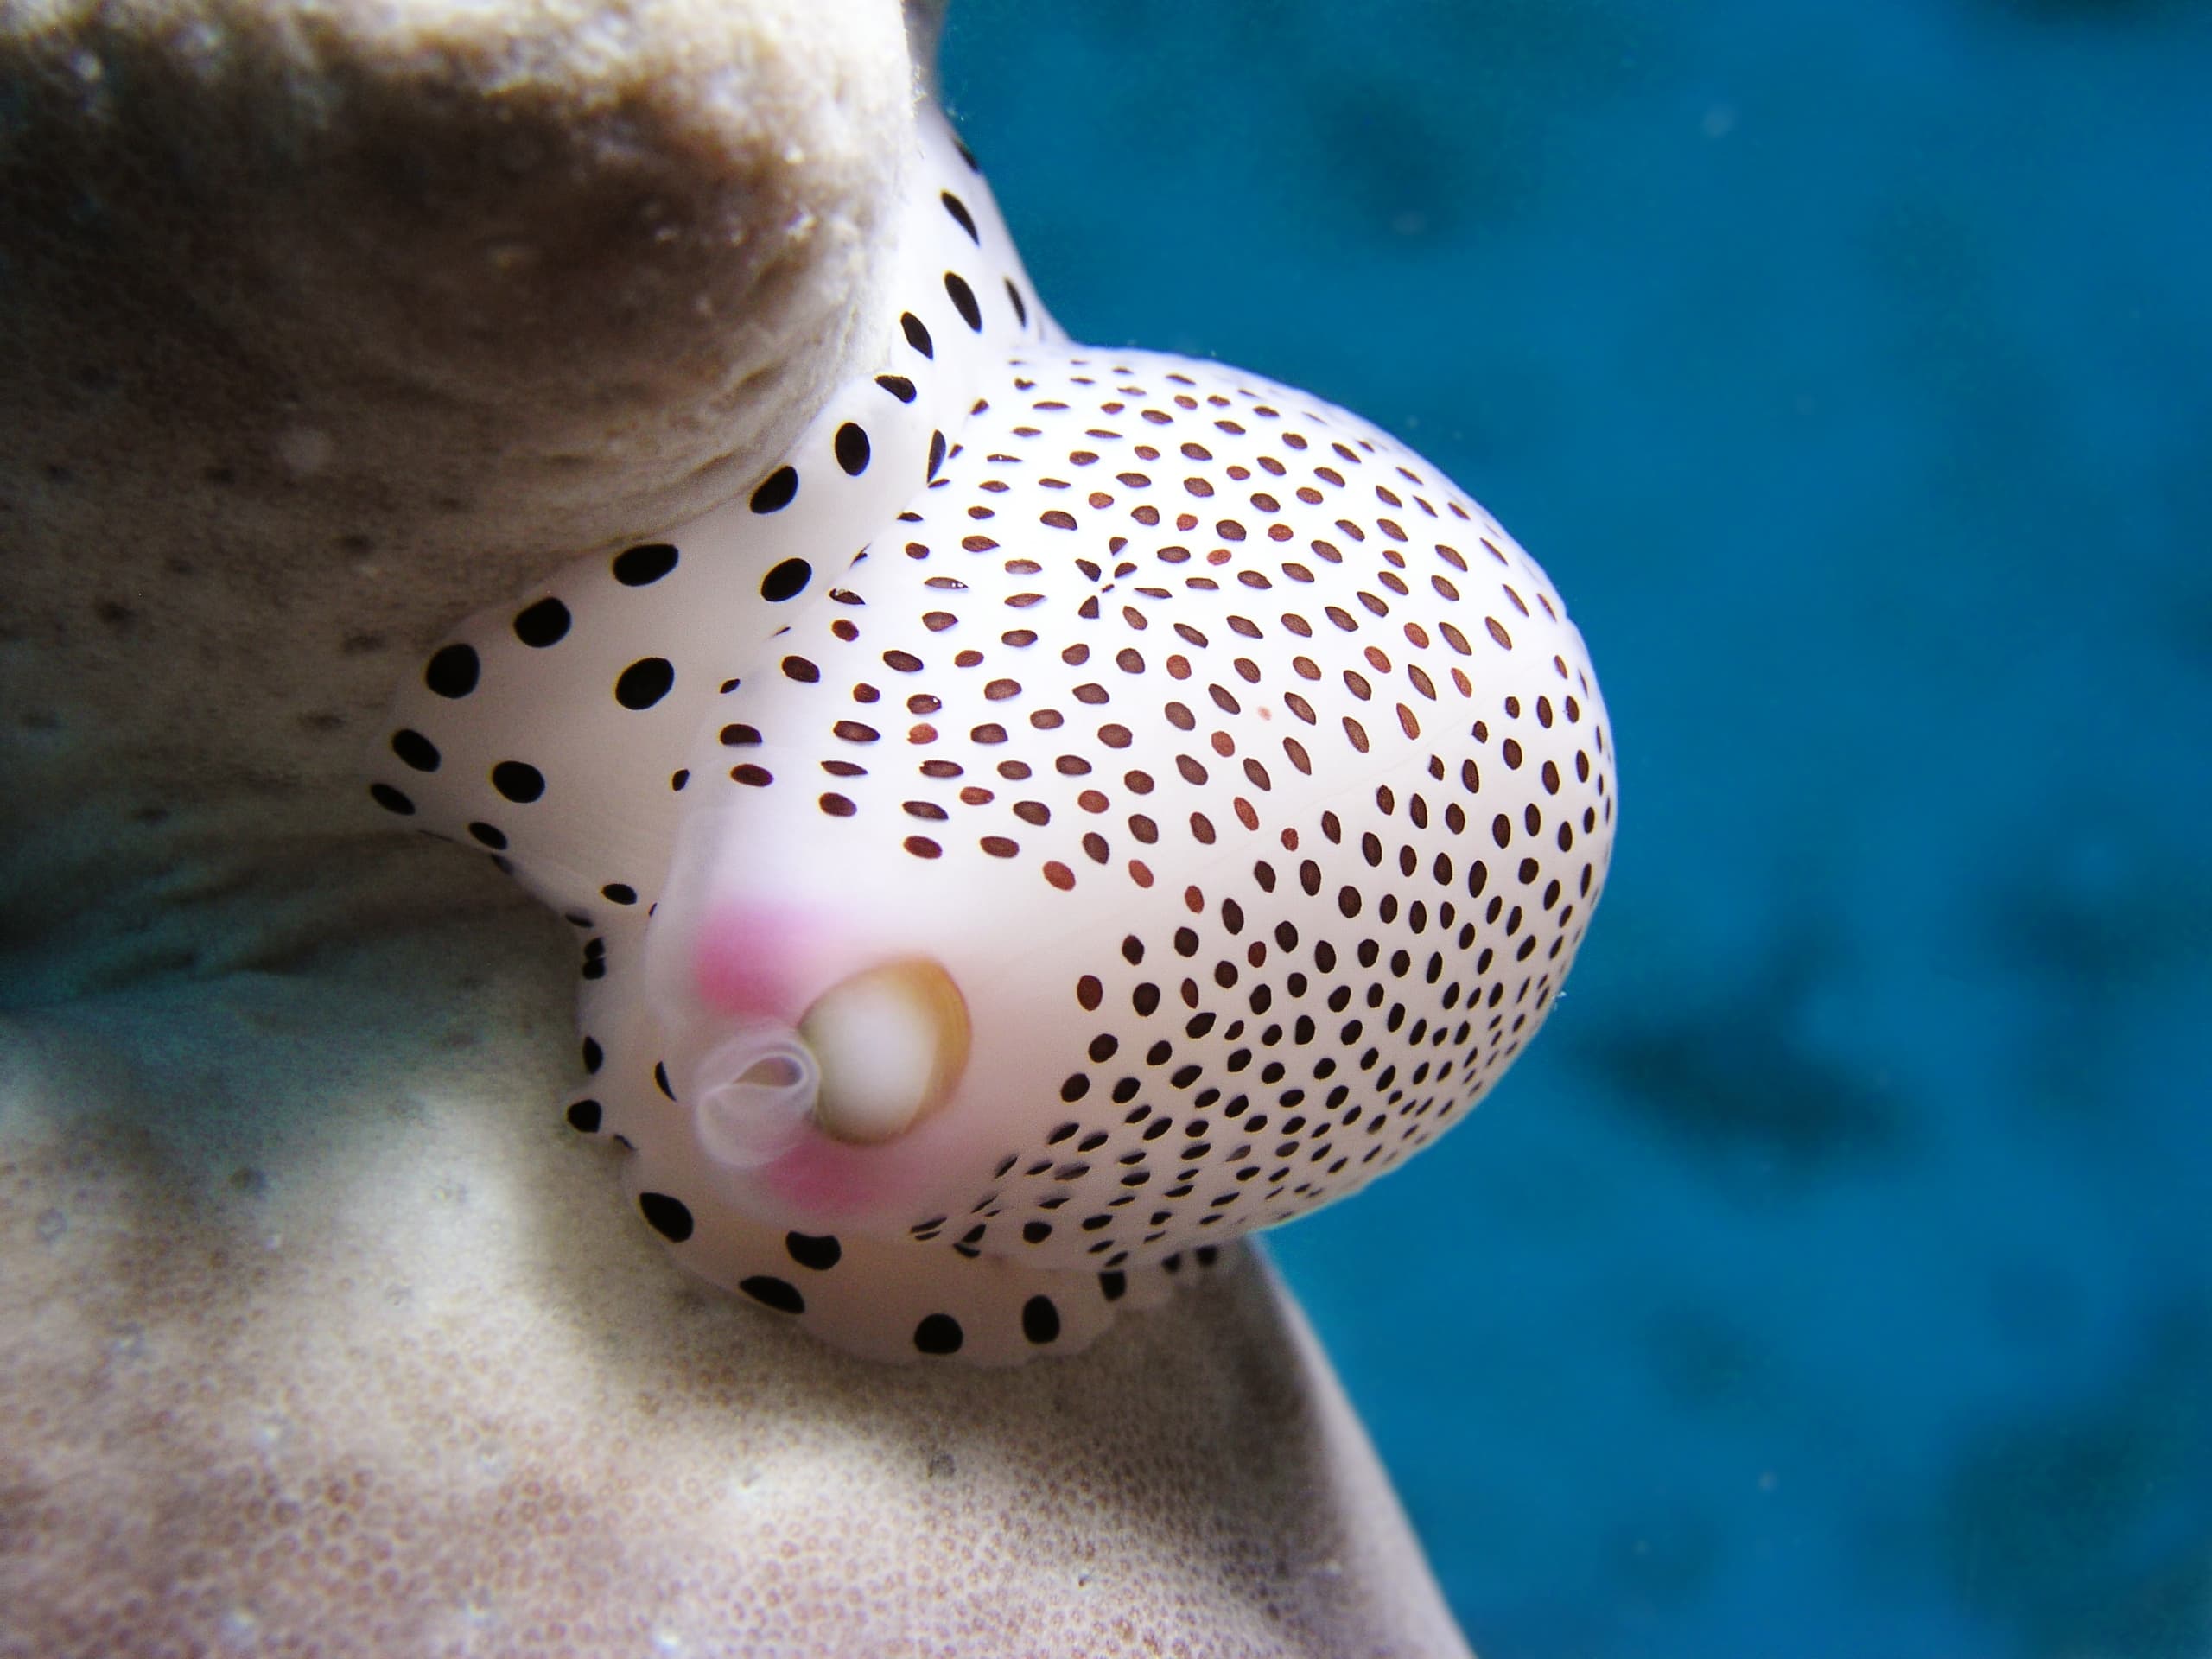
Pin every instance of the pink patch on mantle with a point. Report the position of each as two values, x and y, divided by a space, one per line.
750 961
830 1179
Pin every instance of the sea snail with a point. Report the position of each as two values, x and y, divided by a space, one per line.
1081 805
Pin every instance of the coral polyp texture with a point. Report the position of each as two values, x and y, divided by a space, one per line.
1079 807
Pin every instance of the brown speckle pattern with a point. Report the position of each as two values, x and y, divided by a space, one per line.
1247 779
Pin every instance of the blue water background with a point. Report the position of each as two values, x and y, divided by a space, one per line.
1835 1277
